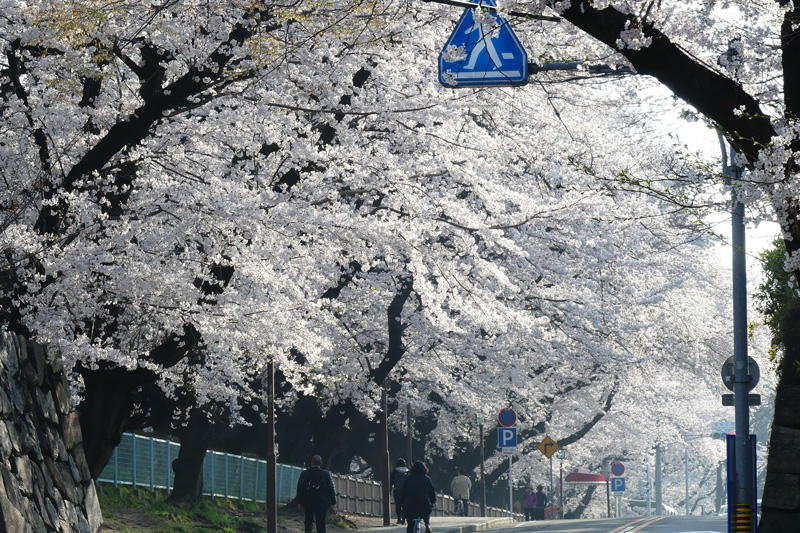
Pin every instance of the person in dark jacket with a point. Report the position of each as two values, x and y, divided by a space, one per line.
541 502
315 494
418 497
396 481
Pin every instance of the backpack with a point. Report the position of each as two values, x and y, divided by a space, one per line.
313 489
399 480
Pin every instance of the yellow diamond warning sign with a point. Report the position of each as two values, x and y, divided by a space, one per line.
548 447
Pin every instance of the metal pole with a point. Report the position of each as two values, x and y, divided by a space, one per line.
483 479
659 503
385 457
649 488
741 378
133 447
510 491
152 465
561 488
271 494
608 495
169 464
552 493
409 441
686 475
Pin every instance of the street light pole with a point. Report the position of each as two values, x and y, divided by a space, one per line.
659 500
686 474
272 496
408 434
385 456
483 473
741 379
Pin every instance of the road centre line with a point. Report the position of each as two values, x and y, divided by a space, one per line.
653 521
636 525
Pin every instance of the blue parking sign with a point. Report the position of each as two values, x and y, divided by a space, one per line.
507 437
617 484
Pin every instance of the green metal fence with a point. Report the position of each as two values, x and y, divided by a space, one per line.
147 462
143 461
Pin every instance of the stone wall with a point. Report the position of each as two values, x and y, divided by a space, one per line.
45 485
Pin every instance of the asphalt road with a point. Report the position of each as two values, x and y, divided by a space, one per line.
653 524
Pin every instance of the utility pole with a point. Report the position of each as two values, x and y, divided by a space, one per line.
743 481
408 435
385 456
510 490
272 495
649 490
483 473
659 502
686 479
561 455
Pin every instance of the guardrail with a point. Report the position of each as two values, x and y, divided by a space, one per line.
143 461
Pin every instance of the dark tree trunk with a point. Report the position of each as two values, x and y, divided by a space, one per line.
583 504
781 500
105 410
188 467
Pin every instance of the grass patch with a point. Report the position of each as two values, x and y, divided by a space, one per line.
129 510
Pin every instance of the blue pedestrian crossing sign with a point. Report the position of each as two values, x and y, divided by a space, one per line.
482 51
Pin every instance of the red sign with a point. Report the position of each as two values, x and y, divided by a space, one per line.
617 469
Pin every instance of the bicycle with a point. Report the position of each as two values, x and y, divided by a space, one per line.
460 507
418 526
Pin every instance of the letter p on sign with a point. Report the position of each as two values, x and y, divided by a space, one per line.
507 437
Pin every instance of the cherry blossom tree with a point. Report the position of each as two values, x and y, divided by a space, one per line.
193 190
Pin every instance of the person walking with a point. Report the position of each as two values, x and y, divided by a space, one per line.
459 490
529 502
396 481
418 497
541 502
315 494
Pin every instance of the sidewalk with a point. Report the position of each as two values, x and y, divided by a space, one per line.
449 524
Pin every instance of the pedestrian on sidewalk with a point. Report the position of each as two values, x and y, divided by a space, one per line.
396 481
459 490
315 494
418 497
541 502
529 502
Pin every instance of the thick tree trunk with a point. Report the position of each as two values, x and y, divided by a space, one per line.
781 500
188 467
105 410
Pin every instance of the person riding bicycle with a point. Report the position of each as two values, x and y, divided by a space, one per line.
418 497
459 489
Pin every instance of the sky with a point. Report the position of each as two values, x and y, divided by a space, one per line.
697 136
